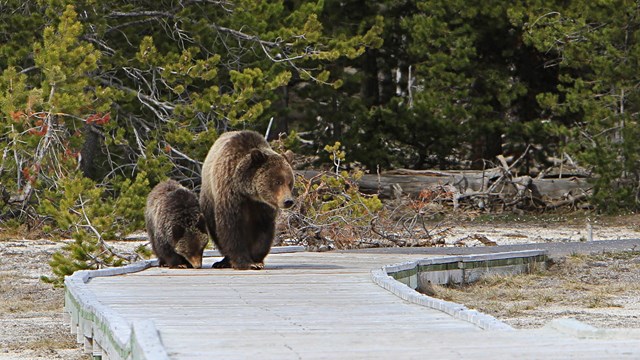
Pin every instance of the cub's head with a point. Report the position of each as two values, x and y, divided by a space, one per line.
272 182
188 231
190 240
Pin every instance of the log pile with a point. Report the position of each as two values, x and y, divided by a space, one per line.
492 189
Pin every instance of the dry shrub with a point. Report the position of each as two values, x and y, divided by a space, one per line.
331 213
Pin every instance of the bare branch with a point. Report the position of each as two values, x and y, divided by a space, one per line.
242 36
101 241
119 14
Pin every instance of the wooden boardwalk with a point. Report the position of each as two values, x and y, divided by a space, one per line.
302 306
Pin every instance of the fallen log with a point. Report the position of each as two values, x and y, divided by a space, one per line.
467 182
483 188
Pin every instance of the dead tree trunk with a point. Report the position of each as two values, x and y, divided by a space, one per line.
488 185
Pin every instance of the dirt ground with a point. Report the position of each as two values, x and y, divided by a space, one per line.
31 323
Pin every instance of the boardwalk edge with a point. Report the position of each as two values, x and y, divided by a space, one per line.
104 333
450 267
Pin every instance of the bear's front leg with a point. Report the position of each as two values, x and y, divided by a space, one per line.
246 265
222 264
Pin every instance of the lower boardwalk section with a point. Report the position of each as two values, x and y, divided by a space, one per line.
302 306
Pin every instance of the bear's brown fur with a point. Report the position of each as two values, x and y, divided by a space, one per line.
175 225
244 183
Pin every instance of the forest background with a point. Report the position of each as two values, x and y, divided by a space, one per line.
101 100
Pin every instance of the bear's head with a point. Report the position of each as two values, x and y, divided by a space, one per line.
188 232
272 181
190 240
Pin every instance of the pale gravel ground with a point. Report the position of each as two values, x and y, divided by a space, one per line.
31 325
31 322
526 233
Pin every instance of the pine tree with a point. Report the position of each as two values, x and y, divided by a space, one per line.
596 49
100 101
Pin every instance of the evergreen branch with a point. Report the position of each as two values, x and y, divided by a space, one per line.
265 45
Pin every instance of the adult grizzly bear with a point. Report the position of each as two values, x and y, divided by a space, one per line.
175 225
244 183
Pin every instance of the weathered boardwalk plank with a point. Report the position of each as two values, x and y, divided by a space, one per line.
318 306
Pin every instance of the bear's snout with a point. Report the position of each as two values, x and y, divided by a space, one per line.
288 203
196 262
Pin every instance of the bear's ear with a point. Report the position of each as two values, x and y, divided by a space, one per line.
258 156
288 155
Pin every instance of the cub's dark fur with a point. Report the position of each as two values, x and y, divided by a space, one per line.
175 225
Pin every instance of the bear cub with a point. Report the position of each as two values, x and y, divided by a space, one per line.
175 225
244 183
